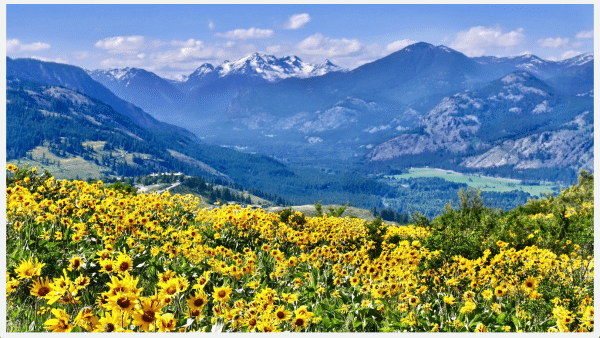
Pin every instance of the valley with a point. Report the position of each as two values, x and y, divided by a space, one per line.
309 132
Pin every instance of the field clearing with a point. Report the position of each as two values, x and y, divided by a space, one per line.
485 183
69 167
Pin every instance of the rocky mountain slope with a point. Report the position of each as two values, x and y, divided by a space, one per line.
516 121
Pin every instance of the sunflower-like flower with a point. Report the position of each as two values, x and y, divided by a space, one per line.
282 314
63 290
41 288
81 282
530 284
123 263
123 302
197 301
450 300
468 307
29 269
146 317
222 294
123 283
60 323
290 298
108 266
170 288
86 319
111 322
300 322
500 291
166 322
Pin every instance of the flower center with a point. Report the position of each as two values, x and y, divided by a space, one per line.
124 303
148 317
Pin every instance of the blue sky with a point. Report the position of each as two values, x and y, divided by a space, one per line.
173 40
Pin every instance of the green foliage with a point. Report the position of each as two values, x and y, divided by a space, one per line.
123 188
375 232
293 218
337 212
319 209
554 223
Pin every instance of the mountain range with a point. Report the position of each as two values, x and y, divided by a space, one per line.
422 105
207 84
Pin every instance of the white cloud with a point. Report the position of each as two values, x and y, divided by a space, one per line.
585 35
477 40
398 45
16 46
559 42
556 42
318 44
297 21
211 25
566 55
132 44
187 44
243 34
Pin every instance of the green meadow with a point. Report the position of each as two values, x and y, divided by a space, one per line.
492 184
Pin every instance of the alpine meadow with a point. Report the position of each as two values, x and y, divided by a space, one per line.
299 168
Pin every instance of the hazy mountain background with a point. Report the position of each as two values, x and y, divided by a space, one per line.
310 132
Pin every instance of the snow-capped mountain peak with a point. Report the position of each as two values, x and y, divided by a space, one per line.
579 60
268 67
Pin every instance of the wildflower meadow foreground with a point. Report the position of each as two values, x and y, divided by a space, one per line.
84 257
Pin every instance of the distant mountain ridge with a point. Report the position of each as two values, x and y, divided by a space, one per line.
75 78
205 88
140 87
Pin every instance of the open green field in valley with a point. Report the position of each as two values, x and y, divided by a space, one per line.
479 182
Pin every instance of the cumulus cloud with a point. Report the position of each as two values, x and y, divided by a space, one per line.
132 44
477 40
297 21
318 44
16 46
556 42
243 34
398 45
211 25
559 42
190 43
585 34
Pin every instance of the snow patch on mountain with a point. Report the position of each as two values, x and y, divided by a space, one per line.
542 108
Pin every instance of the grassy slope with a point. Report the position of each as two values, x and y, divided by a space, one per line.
492 184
